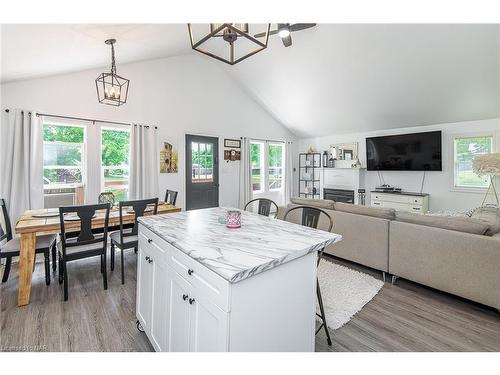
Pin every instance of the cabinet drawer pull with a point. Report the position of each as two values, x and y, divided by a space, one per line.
190 272
150 240
185 297
191 301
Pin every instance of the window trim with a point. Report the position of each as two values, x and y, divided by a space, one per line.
462 189
265 167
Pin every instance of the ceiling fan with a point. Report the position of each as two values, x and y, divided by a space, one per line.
284 30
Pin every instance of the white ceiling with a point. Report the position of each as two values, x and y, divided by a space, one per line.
355 78
334 79
30 51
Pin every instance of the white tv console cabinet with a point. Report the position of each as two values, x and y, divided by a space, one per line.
401 201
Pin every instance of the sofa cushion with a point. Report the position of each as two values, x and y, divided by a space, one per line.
491 215
383 213
457 223
320 203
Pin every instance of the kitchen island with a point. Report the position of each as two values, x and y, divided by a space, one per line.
204 287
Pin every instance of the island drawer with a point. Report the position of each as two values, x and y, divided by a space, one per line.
203 280
151 241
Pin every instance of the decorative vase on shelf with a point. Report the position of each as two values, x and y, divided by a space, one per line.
325 159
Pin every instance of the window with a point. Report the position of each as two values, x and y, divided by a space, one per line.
275 163
63 154
464 150
202 161
115 144
267 162
257 165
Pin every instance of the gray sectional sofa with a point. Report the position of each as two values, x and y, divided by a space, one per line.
458 255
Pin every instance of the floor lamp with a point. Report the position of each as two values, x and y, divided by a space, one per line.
488 165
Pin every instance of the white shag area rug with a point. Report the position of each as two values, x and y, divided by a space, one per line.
344 292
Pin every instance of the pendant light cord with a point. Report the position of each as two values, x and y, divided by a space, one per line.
113 63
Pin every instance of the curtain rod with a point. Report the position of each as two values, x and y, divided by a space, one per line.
266 140
85 119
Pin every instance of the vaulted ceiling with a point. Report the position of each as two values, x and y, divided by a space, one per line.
333 79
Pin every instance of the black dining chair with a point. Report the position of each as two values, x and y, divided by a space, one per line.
107 197
171 197
11 248
310 218
128 238
88 243
264 206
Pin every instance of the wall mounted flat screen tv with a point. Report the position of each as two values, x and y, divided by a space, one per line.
404 152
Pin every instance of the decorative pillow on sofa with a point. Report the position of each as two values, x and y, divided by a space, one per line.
491 215
460 224
320 203
383 213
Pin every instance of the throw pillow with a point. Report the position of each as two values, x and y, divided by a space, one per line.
491 215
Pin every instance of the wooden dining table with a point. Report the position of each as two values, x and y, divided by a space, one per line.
30 224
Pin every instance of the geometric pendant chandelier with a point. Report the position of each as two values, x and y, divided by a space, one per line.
228 42
111 88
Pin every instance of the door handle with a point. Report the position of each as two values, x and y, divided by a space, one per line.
147 258
150 260
185 297
150 240
191 301
190 272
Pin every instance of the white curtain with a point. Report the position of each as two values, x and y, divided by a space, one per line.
93 173
21 160
144 162
245 193
288 172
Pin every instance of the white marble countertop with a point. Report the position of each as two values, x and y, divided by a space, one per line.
260 244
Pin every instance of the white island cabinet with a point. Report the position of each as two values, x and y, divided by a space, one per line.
204 287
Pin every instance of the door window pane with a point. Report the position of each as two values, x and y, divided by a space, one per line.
465 149
275 166
202 159
257 165
209 162
115 144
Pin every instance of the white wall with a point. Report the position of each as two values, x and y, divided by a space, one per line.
437 184
185 94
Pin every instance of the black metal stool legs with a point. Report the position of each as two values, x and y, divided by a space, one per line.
322 315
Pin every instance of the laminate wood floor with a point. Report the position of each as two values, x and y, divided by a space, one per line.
402 317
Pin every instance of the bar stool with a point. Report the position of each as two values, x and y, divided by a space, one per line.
310 218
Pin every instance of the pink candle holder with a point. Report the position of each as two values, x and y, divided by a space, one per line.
233 219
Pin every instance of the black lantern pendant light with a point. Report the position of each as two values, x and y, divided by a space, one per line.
111 88
228 42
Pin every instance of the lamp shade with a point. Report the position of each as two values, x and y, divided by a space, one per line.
487 164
